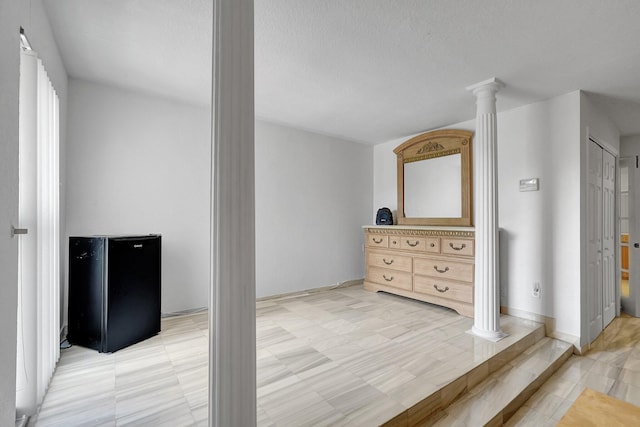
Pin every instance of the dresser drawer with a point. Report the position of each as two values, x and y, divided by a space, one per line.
413 243
457 246
377 240
394 242
456 291
433 245
388 260
442 268
397 279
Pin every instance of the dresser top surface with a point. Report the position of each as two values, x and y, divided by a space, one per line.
419 227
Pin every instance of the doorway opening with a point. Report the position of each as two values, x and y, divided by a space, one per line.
629 235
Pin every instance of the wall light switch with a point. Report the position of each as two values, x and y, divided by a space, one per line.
529 184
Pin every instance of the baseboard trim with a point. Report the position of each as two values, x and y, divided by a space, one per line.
344 284
548 322
581 351
185 312
549 327
22 421
571 339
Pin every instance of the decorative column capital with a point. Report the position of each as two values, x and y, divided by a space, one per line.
485 92
490 85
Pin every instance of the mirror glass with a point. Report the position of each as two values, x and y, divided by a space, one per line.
434 179
432 187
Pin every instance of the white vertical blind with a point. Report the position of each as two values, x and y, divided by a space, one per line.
39 258
27 243
48 232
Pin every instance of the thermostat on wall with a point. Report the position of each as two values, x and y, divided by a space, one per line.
529 184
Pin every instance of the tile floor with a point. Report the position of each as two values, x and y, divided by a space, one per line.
339 357
161 381
354 357
611 367
504 391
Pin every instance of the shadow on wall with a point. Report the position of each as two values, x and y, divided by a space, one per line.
503 255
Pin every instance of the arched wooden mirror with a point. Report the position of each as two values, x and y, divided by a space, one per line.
434 179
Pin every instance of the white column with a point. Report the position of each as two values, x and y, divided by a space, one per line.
487 285
232 327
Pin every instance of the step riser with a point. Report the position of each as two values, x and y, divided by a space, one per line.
493 403
430 409
516 403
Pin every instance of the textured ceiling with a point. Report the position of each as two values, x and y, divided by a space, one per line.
157 46
368 70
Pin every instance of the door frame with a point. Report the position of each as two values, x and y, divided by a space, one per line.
633 231
586 299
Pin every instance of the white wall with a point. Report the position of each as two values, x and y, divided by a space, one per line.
597 125
139 164
540 231
540 239
30 15
630 145
313 194
9 81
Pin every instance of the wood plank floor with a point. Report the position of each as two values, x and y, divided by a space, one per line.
594 408
339 357
611 367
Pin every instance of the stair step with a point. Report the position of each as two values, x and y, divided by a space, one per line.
488 358
494 400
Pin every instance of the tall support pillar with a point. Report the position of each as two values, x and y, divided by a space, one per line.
232 305
487 285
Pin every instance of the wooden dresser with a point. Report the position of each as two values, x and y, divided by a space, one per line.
432 264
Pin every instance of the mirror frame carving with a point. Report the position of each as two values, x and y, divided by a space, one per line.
430 145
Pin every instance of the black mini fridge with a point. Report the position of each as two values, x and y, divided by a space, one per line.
114 290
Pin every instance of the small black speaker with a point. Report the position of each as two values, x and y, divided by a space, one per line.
384 217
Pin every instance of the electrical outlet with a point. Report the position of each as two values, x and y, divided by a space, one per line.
535 291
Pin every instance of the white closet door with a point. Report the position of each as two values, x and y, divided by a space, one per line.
594 241
601 230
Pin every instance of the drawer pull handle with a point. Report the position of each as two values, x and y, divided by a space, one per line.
394 242
461 247
433 245
376 240
387 262
412 244
446 288
435 267
388 279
